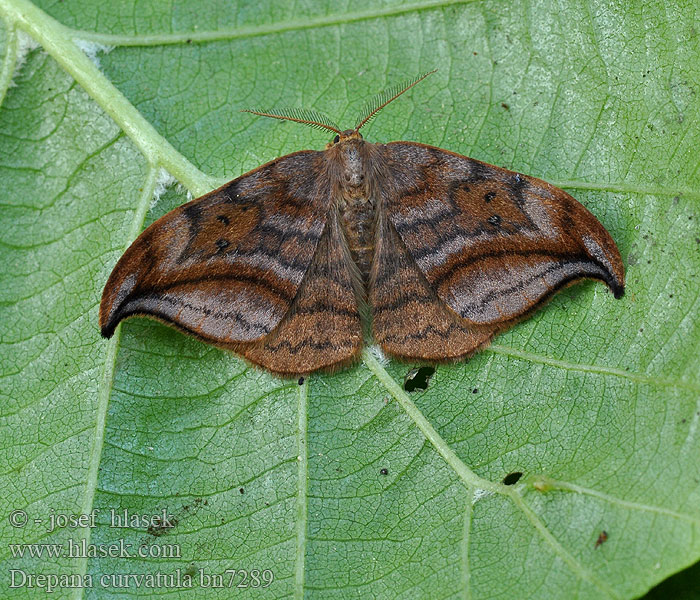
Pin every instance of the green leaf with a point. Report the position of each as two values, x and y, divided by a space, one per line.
347 485
682 586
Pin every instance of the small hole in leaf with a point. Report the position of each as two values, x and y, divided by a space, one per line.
418 379
512 478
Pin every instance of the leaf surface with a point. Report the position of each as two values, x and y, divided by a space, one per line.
349 486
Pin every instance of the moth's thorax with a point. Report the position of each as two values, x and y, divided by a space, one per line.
352 161
353 168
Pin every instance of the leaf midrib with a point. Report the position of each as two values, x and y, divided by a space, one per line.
8 63
57 40
474 482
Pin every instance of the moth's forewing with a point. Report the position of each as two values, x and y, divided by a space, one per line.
493 244
226 267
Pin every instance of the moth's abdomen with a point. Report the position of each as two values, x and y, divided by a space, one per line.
353 162
357 217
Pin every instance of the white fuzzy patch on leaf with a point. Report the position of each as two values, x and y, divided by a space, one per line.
163 182
92 49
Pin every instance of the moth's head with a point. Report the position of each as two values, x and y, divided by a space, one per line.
344 136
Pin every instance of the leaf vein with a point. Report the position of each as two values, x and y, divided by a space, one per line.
584 368
576 567
105 387
302 488
267 29
553 484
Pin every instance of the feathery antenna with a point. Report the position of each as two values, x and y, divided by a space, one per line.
388 95
321 121
299 115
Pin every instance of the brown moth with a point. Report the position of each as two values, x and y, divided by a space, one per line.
294 264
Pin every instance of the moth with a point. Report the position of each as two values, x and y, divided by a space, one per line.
297 263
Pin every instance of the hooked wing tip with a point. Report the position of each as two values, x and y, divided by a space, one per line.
108 325
115 299
107 331
606 259
614 279
110 314
616 275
